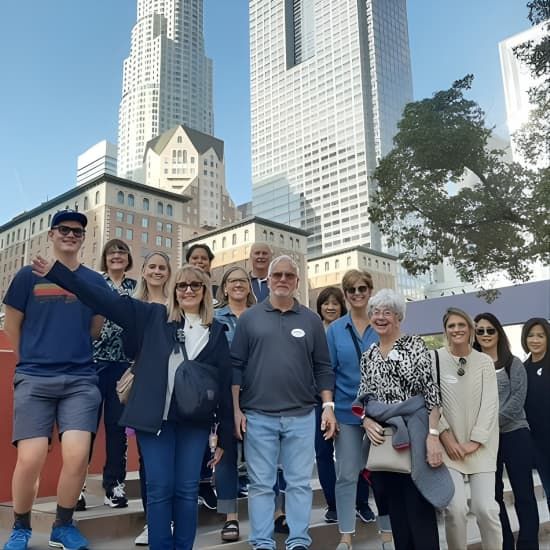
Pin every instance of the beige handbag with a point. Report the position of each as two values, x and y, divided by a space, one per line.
124 385
386 458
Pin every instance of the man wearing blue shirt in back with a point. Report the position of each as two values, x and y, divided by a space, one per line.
55 383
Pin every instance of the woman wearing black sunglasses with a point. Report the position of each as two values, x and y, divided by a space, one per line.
515 445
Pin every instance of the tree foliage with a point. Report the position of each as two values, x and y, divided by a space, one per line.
498 223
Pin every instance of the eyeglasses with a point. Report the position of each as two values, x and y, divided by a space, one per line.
65 230
278 275
195 286
117 251
237 280
362 289
382 313
490 331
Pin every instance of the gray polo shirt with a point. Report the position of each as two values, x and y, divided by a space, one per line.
512 390
280 359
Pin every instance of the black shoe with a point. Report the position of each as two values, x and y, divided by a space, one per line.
300 548
365 514
331 516
116 497
207 496
281 526
81 502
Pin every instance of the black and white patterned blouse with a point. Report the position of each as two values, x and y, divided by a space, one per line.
109 347
404 373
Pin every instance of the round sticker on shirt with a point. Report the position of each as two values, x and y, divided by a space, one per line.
297 333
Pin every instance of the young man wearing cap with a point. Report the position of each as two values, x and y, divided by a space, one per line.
55 382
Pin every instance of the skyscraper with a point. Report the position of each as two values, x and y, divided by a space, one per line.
329 80
167 79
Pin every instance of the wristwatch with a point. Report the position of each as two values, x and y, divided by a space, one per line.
328 404
433 431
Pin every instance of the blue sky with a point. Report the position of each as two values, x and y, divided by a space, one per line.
61 73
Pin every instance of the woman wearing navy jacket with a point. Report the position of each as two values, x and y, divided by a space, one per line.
172 448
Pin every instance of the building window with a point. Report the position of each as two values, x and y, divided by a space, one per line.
327 266
129 218
168 242
291 242
97 197
234 238
131 200
169 210
144 237
160 208
118 232
271 236
85 203
144 222
146 204
246 235
41 225
159 226
168 227
348 261
214 244
120 197
180 139
129 234
33 227
336 264
158 240
281 239
316 268
224 242
264 233
119 216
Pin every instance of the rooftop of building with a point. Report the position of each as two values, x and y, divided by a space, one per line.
357 248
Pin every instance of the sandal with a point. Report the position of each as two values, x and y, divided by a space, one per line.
230 531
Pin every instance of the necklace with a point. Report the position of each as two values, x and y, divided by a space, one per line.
460 363
191 320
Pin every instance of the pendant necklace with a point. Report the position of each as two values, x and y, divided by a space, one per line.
460 364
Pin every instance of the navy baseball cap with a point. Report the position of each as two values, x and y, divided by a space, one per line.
69 215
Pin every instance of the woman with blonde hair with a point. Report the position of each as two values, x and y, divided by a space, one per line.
172 442
468 431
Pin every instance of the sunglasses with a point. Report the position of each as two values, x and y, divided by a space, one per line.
65 230
488 331
288 275
362 289
195 286
237 280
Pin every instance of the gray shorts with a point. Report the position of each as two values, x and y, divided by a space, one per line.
39 402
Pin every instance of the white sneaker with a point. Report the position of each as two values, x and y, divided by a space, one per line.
116 497
143 538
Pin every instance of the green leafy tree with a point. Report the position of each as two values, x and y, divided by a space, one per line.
498 223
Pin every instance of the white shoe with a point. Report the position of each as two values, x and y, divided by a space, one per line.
143 538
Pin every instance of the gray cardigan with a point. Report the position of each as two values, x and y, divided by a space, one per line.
410 420
512 389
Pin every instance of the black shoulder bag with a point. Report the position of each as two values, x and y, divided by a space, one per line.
196 387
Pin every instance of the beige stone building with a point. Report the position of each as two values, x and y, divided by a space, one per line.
231 246
328 269
144 217
182 160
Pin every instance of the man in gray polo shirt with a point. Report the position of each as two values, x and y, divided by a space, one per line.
281 362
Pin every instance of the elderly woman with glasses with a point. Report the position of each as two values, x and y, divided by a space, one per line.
348 337
397 389
165 337
469 431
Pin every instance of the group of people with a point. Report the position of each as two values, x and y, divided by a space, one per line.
292 387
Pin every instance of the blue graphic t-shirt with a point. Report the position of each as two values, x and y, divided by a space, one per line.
55 333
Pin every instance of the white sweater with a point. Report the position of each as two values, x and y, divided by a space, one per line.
470 409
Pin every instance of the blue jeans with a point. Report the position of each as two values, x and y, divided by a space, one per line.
542 463
172 464
290 441
227 480
116 444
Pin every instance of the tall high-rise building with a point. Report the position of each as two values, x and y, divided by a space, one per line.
518 80
167 79
329 81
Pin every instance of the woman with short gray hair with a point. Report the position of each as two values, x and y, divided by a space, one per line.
397 383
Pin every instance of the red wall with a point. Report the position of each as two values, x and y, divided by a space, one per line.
50 473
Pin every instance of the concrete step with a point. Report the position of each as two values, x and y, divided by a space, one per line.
104 525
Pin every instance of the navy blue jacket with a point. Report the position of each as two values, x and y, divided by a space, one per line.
148 332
